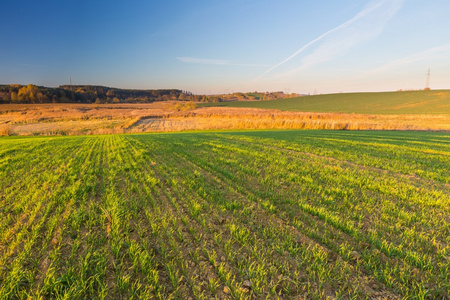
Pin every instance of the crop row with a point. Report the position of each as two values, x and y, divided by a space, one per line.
243 215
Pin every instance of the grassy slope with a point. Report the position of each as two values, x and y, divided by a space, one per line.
410 102
298 214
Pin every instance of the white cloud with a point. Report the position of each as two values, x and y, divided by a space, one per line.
221 62
31 65
203 61
366 25
427 55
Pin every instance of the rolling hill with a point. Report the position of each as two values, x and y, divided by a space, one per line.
407 102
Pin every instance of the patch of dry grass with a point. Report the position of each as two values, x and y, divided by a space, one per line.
79 119
5 130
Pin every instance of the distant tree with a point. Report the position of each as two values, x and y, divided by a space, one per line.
28 93
110 93
41 98
14 97
5 96
182 97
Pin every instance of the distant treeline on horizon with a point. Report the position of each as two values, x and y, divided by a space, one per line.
17 93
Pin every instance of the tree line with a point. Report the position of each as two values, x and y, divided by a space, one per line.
17 93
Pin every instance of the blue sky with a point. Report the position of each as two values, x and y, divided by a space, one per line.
212 46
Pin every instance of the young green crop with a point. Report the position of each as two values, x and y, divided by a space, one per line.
262 214
402 102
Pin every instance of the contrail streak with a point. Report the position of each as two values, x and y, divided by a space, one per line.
360 15
427 55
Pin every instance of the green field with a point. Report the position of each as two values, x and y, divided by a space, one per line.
408 102
263 214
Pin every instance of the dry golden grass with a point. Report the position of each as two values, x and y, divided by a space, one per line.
77 119
37 113
5 130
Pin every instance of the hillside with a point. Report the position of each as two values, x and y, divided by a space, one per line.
408 102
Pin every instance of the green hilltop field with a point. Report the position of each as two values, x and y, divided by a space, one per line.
407 102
